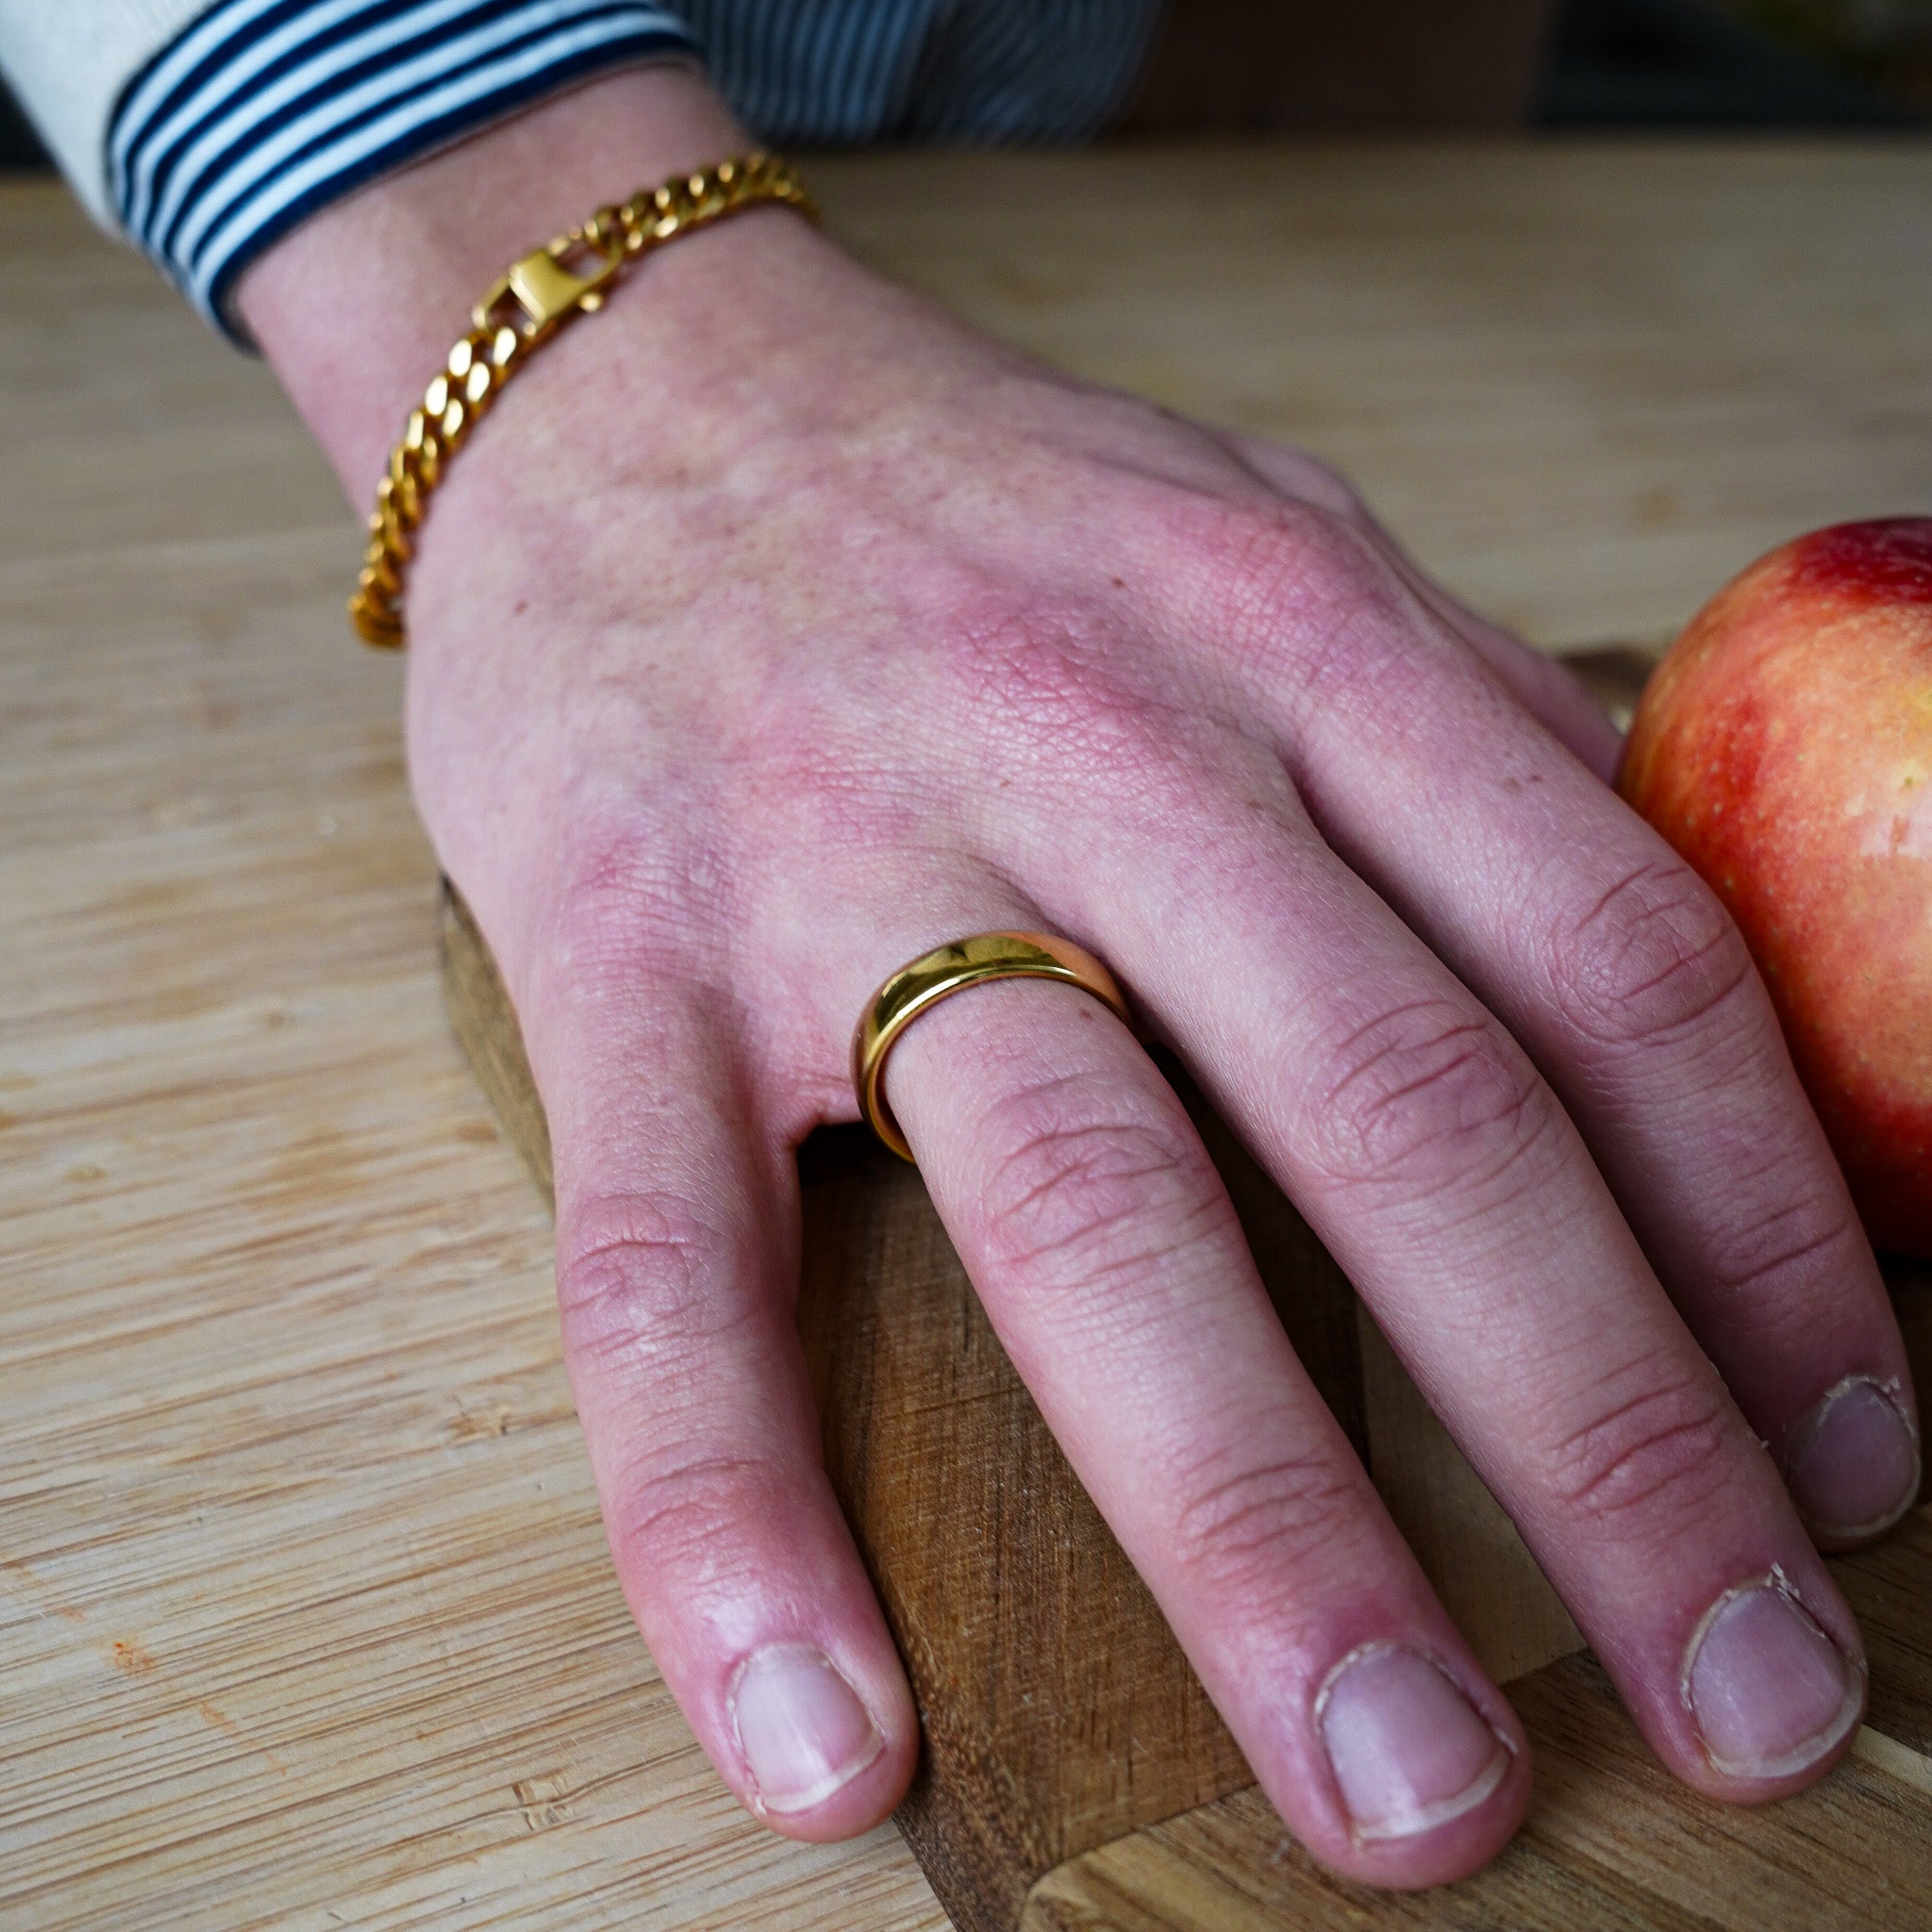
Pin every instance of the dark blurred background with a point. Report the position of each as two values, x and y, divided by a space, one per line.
1599 64
1739 63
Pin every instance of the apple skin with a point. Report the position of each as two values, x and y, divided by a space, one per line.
1783 747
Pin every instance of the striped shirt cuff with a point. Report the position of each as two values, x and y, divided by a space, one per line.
266 111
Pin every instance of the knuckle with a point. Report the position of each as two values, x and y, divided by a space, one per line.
1667 1450
1770 1259
1425 1096
697 1519
1653 956
1281 562
624 891
1040 660
1081 1185
1243 1521
1322 484
641 1279
1052 683
1305 600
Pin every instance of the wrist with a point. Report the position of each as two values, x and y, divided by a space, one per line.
357 307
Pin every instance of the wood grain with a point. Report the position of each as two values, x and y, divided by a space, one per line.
306 1617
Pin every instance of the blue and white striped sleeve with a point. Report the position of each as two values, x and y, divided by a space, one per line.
253 115
204 129
266 111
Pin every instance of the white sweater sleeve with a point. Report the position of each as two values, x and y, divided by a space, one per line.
205 129
67 60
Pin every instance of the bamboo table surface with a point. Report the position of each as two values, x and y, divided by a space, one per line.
304 1615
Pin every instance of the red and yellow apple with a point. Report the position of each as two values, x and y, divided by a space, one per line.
1785 748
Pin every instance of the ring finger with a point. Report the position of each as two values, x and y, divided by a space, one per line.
1111 1262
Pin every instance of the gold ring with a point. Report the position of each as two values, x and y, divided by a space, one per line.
941 973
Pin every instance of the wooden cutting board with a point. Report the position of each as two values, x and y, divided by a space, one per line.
1073 1774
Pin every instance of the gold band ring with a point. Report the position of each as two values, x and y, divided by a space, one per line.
947 969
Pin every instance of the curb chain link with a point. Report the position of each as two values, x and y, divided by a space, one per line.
541 294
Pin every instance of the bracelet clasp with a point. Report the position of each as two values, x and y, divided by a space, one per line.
547 286
528 305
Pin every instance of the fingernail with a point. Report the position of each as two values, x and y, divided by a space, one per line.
1853 1465
1408 1750
1769 1690
801 1726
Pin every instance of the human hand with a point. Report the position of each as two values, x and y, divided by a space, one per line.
775 629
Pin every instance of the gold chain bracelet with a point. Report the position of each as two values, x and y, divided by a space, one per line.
548 287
